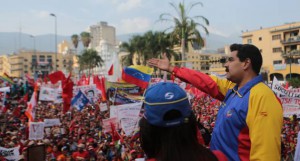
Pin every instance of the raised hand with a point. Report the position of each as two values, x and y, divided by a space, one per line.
163 64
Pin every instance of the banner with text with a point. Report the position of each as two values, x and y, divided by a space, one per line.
10 154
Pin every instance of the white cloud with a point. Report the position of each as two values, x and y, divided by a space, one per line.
217 32
129 5
134 25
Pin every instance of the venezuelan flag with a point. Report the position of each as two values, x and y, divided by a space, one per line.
7 79
138 75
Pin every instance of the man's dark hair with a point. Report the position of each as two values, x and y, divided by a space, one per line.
173 143
91 91
245 51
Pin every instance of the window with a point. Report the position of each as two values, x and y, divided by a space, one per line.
42 58
249 41
260 38
277 62
276 37
277 50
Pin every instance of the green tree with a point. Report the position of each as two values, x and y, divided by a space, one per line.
85 39
185 27
128 47
89 59
75 40
138 43
294 82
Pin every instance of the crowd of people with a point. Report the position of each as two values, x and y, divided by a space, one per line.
80 136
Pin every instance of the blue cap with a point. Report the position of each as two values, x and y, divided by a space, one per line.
164 97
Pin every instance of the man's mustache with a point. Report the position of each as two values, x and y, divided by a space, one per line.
226 69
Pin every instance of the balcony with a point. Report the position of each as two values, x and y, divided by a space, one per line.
291 40
293 53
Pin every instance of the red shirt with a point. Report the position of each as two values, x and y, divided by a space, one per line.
83 154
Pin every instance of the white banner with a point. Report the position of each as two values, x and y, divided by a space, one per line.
51 122
103 107
113 112
281 91
47 94
107 124
129 125
11 154
5 89
58 95
36 130
297 151
291 106
131 110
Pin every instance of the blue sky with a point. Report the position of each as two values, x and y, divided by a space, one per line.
226 17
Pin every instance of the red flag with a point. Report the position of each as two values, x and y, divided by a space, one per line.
30 111
115 135
100 84
286 85
82 81
17 111
67 93
56 76
111 70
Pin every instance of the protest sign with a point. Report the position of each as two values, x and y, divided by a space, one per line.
36 130
10 154
103 107
51 122
107 123
47 94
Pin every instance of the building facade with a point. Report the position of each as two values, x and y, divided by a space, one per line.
102 31
280 48
103 40
35 62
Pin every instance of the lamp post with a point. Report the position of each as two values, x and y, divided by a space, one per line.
34 66
290 65
55 26
33 37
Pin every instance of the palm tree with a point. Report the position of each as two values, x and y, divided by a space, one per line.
127 60
85 38
185 27
139 45
75 40
89 59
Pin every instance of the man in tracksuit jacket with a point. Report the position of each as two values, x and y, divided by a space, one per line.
249 121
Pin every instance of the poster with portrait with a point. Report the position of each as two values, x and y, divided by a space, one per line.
79 101
47 94
90 91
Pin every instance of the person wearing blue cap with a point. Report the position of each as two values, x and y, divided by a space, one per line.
249 121
168 130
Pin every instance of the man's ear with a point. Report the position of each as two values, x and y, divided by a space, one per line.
247 64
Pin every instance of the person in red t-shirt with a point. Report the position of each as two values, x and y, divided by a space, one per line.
81 154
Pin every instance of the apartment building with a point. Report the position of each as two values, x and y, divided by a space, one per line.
280 48
35 62
102 31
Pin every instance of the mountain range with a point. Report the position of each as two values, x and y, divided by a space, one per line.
12 42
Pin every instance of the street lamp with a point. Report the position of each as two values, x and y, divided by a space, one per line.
34 51
33 37
291 64
52 14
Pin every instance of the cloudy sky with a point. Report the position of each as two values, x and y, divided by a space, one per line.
130 16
